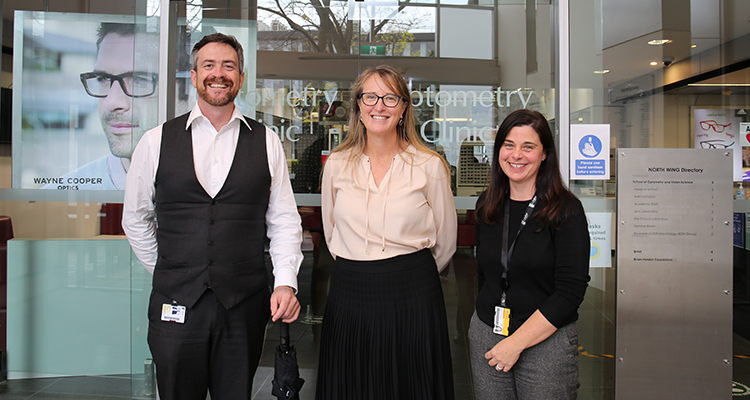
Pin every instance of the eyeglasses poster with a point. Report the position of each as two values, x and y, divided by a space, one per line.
719 129
84 92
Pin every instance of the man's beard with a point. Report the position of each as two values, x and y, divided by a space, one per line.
218 101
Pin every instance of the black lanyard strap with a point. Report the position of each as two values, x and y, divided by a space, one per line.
506 252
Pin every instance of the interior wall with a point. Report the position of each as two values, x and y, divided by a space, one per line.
52 220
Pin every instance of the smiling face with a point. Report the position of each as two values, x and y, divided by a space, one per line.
379 119
124 119
216 76
520 157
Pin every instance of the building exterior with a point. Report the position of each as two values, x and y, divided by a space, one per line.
657 74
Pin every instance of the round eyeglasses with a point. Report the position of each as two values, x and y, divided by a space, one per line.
133 84
389 100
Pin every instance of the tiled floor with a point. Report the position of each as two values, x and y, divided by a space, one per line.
596 330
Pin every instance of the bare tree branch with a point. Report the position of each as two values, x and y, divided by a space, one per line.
333 31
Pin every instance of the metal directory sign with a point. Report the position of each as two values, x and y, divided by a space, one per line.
674 274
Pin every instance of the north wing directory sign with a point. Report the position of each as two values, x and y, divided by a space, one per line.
674 274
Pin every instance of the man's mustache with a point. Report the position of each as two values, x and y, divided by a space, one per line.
219 80
117 118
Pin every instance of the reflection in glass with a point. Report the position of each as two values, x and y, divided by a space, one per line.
300 26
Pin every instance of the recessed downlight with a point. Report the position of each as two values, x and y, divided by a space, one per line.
659 42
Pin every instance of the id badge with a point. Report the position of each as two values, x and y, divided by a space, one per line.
502 321
173 313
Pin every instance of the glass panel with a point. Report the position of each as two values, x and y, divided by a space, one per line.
408 33
66 228
303 26
656 81
462 87
458 42
482 3
338 28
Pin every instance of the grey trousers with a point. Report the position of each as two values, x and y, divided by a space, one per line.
547 371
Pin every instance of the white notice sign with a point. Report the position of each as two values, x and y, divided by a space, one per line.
600 232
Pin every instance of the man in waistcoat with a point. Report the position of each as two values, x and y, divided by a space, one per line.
217 183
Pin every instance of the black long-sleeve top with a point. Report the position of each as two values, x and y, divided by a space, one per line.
549 269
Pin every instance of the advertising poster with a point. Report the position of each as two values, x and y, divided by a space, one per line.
600 232
747 231
719 129
739 230
745 143
589 152
85 90
80 106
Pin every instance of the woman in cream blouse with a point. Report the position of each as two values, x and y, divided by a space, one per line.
390 223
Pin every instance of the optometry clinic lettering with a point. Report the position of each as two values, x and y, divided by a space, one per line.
428 97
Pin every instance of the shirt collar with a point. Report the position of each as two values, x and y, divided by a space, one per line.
196 113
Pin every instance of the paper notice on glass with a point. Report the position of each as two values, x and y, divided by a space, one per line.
600 233
589 151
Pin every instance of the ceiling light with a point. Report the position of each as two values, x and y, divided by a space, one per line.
719 84
693 46
601 71
659 42
654 63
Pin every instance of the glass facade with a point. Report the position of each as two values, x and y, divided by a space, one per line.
656 74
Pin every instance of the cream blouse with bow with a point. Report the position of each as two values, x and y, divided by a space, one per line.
410 210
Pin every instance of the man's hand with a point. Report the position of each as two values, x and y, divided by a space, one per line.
284 304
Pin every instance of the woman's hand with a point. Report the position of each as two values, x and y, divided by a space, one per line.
504 355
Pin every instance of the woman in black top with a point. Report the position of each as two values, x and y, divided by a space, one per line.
536 271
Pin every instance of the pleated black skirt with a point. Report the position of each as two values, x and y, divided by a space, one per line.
385 335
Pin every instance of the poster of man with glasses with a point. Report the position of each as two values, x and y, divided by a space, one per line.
81 132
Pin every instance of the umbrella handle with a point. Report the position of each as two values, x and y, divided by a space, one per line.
285 336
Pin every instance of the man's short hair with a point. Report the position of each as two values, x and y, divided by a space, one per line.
218 38
105 28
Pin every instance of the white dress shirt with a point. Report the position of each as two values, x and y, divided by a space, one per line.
213 153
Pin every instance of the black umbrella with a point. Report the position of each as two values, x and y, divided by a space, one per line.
286 380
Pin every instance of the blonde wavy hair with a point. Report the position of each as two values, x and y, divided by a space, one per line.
356 138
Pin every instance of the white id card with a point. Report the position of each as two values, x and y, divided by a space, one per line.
174 313
502 321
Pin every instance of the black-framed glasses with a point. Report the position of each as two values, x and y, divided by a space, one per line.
389 100
133 84
715 144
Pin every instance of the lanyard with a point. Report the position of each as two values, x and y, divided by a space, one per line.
507 252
